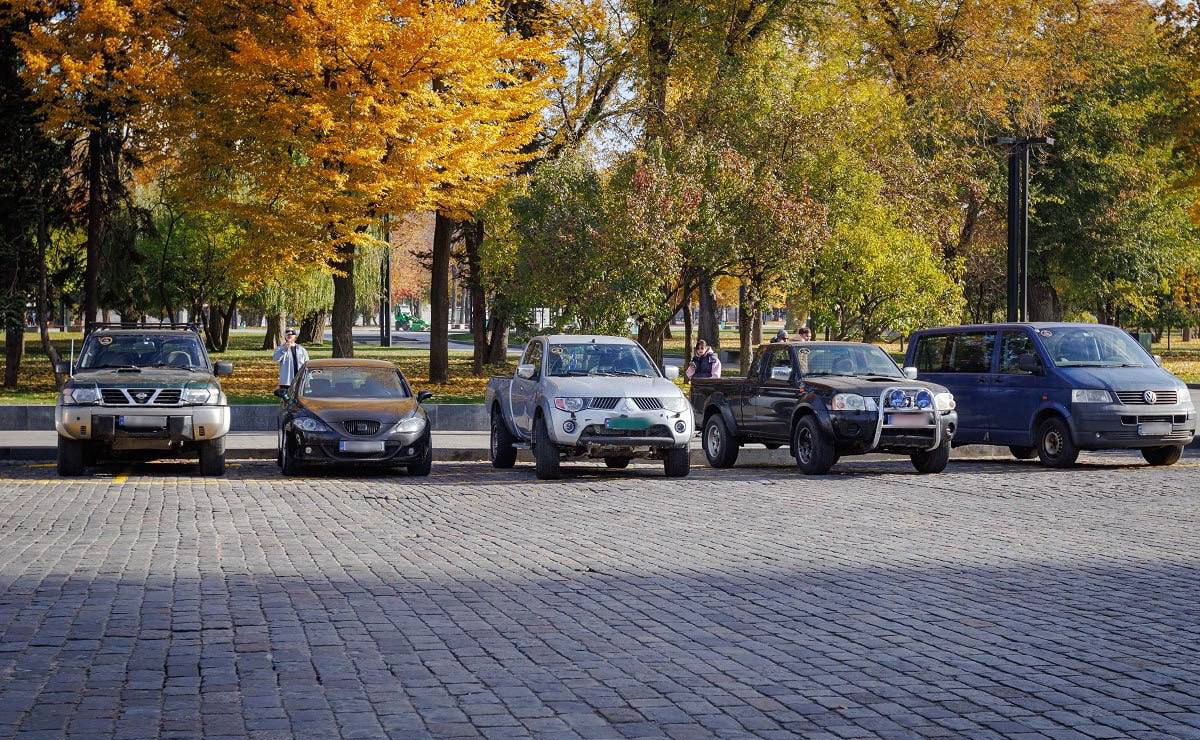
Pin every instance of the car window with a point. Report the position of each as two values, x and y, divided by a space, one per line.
1093 346
779 364
143 350
933 353
353 382
533 356
1013 344
845 359
599 358
972 352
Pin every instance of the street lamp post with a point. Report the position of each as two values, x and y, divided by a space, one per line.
385 287
1018 220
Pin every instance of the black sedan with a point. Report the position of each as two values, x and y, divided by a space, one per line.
360 412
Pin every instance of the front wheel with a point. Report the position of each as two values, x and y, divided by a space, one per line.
677 461
1166 455
70 456
932 461
1055 446
814 454
502 450
720 448
1023 453
545 454
212 457
425 464
288 465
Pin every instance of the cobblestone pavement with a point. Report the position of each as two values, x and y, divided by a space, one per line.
998 599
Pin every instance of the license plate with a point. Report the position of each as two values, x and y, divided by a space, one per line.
359 446
908 420
142 422
627 423
1154 429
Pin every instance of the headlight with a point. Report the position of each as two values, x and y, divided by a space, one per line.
568 404
309 424
1089 395
944 401
411 425
849 402
201 395
81 394
674 403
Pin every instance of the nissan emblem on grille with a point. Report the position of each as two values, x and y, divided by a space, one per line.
141 397
1150 397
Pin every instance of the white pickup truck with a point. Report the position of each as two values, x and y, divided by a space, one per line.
577 396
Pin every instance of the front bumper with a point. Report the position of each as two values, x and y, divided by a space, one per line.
856 432
1120 426
323 448
135 428
586 431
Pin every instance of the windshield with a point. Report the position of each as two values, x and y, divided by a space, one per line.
1092 346
143 350
353 382
566 360
836 359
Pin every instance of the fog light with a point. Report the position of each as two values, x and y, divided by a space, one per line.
680 426
307 450
409 450
569 426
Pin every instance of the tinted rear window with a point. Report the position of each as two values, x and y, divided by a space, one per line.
955 353
933 354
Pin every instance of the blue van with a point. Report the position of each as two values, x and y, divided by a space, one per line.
1052 390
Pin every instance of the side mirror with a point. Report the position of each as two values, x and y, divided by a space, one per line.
1029 363
63 368
670 372
222 369
526 371
280 393
910 372
423 396
1158 360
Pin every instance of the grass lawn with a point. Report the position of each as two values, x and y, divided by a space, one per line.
255 374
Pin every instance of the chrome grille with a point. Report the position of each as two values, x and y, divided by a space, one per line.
648 404
361 426
114 396
1138 398
141 396
603 402
167 396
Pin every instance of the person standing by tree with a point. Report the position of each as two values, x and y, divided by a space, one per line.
705 363
291 357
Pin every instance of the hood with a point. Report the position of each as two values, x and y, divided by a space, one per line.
335 410
605 386
148 377
1120 378
867 387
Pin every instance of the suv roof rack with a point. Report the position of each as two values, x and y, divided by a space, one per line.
91 326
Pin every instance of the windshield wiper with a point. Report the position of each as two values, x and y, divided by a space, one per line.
189 368
112 367
569 374
628 372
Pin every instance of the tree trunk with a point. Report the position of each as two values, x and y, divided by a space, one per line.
687 331
1186 333
43 299
274 335
14 348
343 302
758 327
498 332
95 217
478 299
651 337
744 328
215 326
709 329
439 299
1043 301
226 323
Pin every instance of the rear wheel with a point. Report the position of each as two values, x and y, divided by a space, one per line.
720 448
617 462
70 456
932 461
502 449
1055 446
1023 453
212 457
1166 455
814 454
677 462
545 454
425 464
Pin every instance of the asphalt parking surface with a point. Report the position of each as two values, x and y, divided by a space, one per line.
996 600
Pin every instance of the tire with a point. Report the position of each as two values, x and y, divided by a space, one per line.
1055 446
932 461
279 451
212 457
545 454
70 456
772 445
1023 453
677 462
425 464
720 448
288 463
814 453
617 463
1165 455
501 449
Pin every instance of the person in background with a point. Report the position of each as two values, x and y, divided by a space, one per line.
780 336
291 357
705 363
803 334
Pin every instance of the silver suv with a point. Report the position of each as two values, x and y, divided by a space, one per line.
142 394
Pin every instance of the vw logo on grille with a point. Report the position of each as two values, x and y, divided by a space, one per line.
1150 397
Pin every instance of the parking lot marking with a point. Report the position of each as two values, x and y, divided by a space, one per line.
121 477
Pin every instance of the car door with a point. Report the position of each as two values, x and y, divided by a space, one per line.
961 361
1016 393
766 417
523 392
